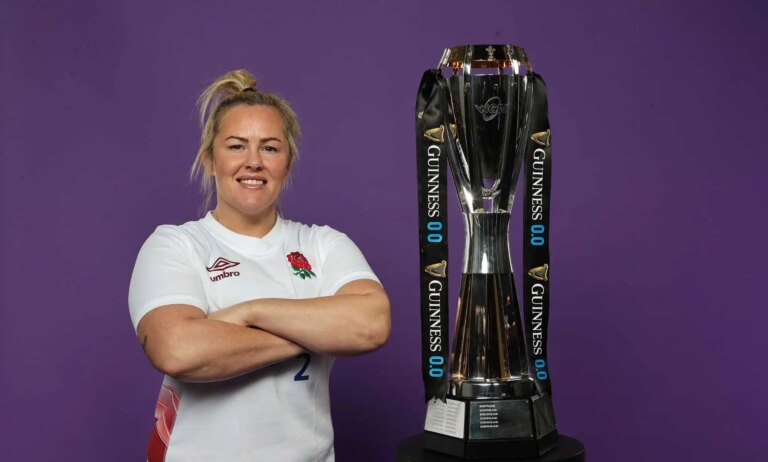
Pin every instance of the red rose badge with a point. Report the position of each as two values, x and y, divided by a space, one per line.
300 265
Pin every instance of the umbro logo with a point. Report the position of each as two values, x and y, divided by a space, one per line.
222 264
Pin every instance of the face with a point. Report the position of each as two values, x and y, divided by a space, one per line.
251 159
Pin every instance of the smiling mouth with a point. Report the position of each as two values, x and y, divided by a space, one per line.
252 182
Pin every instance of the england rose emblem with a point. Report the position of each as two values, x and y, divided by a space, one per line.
300 265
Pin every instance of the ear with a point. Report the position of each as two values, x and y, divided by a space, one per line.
208 165
291 161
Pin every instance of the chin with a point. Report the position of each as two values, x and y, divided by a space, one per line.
249 207
254 211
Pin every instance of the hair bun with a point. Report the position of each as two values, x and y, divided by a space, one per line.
242 79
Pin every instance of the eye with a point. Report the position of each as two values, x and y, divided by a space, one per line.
236 147
269 148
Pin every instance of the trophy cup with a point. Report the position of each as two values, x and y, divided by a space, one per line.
484 110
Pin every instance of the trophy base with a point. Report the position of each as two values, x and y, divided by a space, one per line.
567 450
491 428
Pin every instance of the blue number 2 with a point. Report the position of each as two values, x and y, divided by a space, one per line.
300 376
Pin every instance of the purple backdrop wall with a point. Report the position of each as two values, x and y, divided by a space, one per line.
659 205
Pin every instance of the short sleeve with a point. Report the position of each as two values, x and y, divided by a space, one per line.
342 261
164 275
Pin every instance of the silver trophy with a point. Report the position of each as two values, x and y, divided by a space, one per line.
496 405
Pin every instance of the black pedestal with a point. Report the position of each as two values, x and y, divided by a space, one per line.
567 450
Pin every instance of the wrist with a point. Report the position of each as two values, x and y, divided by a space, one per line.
233 315
250 311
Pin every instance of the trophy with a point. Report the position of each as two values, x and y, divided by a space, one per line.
483 110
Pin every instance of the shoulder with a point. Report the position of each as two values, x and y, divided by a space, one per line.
321 236
181 237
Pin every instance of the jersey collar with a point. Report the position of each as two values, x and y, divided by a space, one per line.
246 244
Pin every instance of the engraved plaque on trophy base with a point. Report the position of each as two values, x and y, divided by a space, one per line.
491 428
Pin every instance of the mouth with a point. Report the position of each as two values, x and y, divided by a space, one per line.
252 181
249 182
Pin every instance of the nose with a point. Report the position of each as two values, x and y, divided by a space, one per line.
253 161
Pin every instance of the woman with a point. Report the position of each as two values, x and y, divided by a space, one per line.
243 310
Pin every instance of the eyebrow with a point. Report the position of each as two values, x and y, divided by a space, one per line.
239 138
245 140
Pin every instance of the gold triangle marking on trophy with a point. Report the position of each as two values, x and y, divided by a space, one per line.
540 273
436 134
541 138
437 269
420 115
453 130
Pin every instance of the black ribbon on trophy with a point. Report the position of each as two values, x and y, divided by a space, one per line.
538 174
431 135
435 137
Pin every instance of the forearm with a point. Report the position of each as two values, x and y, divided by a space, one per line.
342 324
228 351
206 350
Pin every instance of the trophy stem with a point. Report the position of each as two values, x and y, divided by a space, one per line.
489 358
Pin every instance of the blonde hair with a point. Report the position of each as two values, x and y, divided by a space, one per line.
232 89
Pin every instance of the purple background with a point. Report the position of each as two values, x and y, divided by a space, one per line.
658 111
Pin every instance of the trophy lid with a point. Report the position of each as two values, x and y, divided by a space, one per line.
485 57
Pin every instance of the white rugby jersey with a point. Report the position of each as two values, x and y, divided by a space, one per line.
279 413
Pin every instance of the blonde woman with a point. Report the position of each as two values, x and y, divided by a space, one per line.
244 310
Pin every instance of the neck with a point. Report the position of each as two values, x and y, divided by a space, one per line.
249 225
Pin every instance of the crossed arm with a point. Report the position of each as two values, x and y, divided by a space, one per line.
181 341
